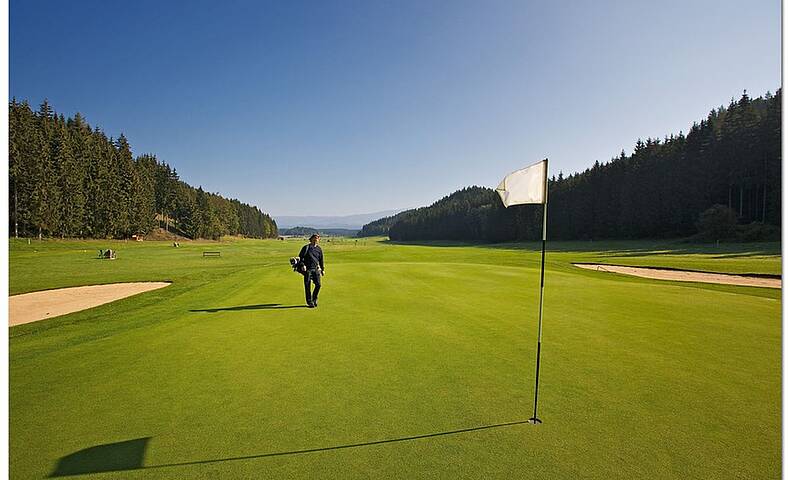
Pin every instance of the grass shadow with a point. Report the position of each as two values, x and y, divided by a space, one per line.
262 306
616 248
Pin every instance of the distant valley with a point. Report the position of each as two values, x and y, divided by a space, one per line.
327 232
347 222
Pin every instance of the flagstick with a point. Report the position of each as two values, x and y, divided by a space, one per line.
535 419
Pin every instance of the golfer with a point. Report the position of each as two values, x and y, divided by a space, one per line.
313 268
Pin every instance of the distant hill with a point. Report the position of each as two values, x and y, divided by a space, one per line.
472 213
349 222
730 161
307 231
381 227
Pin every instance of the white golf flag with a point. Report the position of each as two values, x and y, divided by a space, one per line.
527 185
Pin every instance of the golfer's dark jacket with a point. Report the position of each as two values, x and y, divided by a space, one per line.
312 257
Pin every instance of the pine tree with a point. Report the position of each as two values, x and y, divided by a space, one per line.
124 191
19 164
102 196
45 195
70 183
143 210
83 150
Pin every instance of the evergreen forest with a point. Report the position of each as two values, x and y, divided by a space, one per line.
727 166
67 179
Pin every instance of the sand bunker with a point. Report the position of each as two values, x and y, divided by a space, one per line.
30 307
687 276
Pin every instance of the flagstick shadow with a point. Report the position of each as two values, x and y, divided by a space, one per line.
136 464
110 457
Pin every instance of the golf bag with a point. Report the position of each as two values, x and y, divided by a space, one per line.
297 265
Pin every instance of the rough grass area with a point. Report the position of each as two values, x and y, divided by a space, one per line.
418 363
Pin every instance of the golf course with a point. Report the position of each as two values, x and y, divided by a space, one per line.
418 363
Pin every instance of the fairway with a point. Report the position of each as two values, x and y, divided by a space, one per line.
418 363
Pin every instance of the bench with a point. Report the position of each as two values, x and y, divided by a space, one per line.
211 254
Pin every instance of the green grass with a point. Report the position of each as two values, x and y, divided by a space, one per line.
639 378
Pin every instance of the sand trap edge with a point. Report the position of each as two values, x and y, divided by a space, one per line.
44 304
672 274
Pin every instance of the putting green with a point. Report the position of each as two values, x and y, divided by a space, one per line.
418 362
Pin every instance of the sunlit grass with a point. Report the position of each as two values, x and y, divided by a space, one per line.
640 378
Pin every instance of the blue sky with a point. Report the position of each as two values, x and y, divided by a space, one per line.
335 108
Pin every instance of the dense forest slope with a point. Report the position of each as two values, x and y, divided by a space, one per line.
68 180
730 159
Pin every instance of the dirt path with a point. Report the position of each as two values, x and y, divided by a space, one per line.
687 276
30 307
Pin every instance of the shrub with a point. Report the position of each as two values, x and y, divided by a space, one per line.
717 223
756 232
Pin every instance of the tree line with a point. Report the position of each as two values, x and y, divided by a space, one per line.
67 179
731 160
